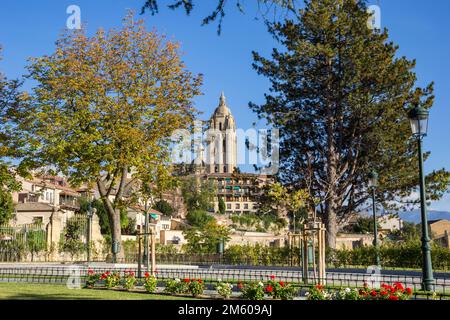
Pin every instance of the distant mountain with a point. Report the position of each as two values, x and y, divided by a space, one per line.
414 216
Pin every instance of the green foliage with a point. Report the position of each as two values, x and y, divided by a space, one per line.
280 289
362 225
150 283
340 95
176 286
199 218
71 241
256 254
36 242
222 207
169 249
253 291
197 194
205 239
224 289
164 207
103 104
404 255
259 222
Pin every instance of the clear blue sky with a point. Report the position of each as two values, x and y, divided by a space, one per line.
29 28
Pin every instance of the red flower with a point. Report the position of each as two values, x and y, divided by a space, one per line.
384 293
90 271
200 281
393 298
373 293
272 277
187 280
132 274
240 285
147 274
269 288
282 283
319 287
409 291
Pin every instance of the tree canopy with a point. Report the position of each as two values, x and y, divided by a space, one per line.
9 99
340 96
104 109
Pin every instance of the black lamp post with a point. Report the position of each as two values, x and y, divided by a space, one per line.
373 184
419 125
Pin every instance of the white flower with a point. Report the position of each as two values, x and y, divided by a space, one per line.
307 294
348 290
219 280
261 284
177 280
231 286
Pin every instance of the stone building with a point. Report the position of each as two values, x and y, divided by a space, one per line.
218 164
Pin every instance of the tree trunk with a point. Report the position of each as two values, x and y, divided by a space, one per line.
114 223
331 223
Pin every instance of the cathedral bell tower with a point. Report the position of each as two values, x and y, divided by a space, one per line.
221 140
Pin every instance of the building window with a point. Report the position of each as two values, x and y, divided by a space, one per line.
225 169
238 206
228 206
246 206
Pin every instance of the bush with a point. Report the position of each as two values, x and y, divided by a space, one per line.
253 291
224 289
404 255
386 292
92 279
280 290
112 280
150 283
195 287
129 280
176 286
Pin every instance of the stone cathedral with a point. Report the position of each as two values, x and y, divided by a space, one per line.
221 142
218 163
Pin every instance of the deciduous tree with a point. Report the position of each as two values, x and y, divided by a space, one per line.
104 109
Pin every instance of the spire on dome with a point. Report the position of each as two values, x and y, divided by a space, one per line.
223 100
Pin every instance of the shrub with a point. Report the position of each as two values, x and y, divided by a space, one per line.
280 290
253 291
196 287
92 278
318 293
386 292
224 289
129 280
176 286
112 280
150 283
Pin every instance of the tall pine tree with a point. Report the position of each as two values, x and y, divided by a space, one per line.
340 97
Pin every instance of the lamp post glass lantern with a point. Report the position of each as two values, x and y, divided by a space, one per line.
373 183
418 118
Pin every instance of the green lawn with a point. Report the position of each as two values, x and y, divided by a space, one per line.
27 291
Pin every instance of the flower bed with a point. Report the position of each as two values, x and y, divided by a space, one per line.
386 292
260 290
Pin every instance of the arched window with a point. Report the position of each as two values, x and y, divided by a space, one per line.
220 126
